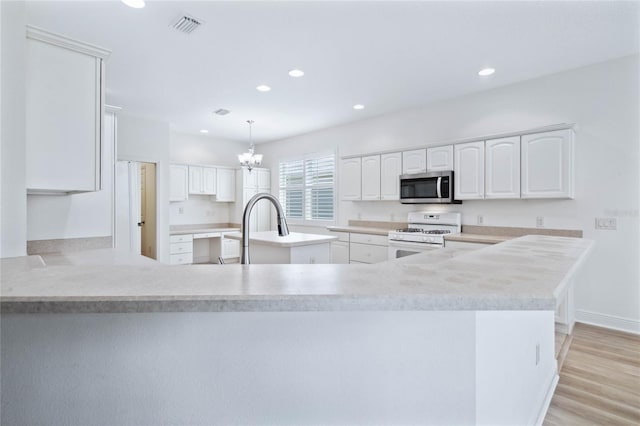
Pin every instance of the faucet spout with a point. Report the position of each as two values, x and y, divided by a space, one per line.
283 228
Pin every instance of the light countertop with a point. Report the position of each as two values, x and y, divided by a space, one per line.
203 228
294 239
360 229
526 273
477 238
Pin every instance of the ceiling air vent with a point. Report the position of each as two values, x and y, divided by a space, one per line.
221 111
187 24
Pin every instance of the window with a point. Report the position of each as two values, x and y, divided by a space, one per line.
307 188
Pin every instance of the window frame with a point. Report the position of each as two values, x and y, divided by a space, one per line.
320 223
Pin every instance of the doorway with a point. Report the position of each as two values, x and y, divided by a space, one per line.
135 208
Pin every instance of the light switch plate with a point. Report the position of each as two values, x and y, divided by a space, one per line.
607 223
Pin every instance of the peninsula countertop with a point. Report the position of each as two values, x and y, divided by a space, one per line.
526 273
294 239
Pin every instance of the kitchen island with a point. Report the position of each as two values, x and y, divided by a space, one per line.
269 247
453 337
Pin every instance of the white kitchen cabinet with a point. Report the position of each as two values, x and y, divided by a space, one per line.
64 113
390 171
258 180
502 162
230 248
181 249
202 180
225 185
440 158
179 182
469 171
371 177
350 179
340 248
414 161
368 248
547 165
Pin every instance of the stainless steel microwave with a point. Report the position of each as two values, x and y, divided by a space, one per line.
427 188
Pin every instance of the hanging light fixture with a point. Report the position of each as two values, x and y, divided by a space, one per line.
249 159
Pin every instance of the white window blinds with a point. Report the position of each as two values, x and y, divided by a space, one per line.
307 188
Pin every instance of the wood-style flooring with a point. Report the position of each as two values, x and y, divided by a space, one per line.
599 378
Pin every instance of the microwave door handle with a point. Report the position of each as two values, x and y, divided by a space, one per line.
439 187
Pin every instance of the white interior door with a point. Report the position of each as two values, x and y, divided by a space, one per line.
128 234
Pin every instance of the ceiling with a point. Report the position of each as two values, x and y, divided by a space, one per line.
387 56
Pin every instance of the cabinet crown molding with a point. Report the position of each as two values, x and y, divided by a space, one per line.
40 34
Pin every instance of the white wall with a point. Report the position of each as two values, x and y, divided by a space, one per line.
196 149
81 215
13 199
141 139
602 99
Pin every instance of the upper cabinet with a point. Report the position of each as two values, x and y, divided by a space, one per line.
350 179
440 158
547 165
414 161
371 177
202 180
179 182
502 162
469 171
390 170
64 113
225 185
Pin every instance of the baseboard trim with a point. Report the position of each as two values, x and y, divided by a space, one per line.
547 399
608 321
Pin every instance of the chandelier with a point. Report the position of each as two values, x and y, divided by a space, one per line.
249 159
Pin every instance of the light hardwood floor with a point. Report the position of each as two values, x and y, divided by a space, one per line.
599 379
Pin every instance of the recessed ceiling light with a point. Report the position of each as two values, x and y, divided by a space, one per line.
296 73
263 88
358 106
136 4
204 131
486 71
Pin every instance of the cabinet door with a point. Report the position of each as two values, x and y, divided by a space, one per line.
414 161
64 114
250 178
195 180
547 165
371 177
469 171
230 248
339 252
350 179
179 186
226 185
209 180
390 170
440 158
263 178
502 162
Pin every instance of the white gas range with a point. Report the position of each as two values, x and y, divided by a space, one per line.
426 231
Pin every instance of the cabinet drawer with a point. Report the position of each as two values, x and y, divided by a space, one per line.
181 238
367 253
181 259
379 240
206 235
177 248
342 236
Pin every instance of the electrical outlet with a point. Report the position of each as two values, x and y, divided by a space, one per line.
539 222
180 210
480 219
608 223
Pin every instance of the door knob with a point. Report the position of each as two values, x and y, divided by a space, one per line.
141 223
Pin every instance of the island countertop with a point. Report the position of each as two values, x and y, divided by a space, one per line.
526 273
294 239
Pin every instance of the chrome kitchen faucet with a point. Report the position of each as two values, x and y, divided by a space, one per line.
283 229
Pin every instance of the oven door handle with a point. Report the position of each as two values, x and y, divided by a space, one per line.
439 186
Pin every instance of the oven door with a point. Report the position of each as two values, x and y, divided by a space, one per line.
398 249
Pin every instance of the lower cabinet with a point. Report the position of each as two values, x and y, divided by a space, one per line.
230 248
340 248
367 248
181 249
